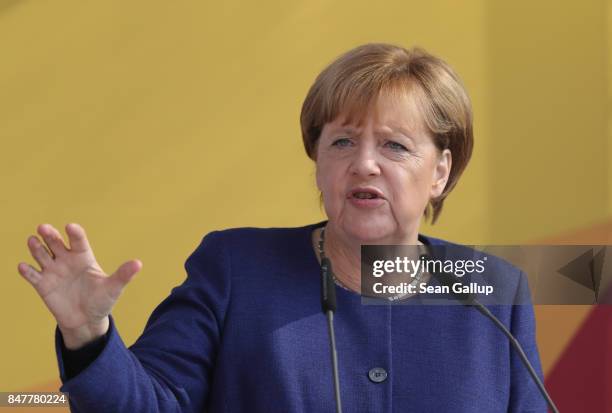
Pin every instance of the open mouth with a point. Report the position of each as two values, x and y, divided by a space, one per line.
365 195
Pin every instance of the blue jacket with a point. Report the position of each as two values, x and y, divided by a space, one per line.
245 333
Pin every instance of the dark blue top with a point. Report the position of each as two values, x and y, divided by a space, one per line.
245 333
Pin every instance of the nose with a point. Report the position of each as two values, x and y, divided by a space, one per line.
365 162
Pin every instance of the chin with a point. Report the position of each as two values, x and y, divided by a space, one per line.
368 231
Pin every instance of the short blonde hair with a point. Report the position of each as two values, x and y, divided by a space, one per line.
352 82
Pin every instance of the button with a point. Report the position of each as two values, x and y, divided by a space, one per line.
377 375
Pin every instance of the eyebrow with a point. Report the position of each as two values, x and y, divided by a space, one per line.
348 129
357 131
401 130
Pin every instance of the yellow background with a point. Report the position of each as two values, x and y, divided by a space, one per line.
152 123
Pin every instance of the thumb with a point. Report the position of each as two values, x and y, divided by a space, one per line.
123 276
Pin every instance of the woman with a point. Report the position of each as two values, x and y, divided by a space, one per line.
390 131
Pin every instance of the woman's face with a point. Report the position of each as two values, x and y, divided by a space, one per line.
377 177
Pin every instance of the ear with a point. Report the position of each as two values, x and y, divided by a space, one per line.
441 173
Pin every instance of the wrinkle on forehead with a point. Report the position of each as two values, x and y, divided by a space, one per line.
395 110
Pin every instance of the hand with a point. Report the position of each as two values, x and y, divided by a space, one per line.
76 290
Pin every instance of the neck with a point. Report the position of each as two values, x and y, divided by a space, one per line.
345 255
345 258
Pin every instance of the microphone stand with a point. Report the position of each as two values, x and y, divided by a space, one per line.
328 304
468 300
517 346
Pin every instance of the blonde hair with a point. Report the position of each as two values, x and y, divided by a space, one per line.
352 82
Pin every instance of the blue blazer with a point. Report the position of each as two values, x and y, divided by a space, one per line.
245 333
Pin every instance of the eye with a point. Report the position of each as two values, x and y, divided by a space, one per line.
342 142
396 146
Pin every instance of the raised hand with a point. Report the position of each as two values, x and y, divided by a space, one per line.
73 286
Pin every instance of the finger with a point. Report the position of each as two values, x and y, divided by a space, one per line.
77 237
122 276
53 239
29 273
39 252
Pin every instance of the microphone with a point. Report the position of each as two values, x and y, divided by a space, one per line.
328 305
328 287
448 279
